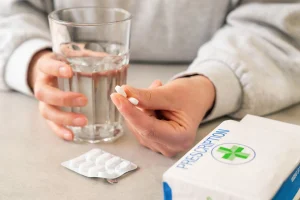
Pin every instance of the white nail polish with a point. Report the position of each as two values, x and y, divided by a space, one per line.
134 101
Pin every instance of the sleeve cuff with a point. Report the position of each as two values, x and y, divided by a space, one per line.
17 66
227 85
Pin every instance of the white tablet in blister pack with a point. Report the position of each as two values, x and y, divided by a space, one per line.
100 164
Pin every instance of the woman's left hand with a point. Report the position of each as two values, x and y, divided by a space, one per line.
167 117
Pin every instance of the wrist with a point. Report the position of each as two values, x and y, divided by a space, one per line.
208 92
197 91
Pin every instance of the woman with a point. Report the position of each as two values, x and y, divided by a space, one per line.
247 62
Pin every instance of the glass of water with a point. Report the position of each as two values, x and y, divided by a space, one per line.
95 42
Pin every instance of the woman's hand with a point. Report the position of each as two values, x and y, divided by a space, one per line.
167 117
42 78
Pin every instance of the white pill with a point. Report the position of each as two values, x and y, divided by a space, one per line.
134 101
124 164
93 171
123 167
93 154
100 160
77 161
106 174
112 163
120 91
84 167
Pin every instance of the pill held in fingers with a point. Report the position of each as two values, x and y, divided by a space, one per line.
120 91
134 101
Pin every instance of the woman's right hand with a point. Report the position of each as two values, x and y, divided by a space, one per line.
43 72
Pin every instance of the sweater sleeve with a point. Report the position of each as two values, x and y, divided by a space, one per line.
23 32
253 60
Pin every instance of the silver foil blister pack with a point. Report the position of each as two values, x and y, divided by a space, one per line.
99 164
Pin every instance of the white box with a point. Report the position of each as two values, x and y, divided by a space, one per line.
269 124
237 161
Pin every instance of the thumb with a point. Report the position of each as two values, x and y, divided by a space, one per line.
154 98
154 84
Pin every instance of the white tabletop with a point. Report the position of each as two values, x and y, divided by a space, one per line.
31 154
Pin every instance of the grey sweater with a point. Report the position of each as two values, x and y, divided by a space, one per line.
249 49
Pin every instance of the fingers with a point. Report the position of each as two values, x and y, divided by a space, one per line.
56 97
50 66
155 84
147 126
137 136
62 118
61 131
154 146
164 150
83 50
154 98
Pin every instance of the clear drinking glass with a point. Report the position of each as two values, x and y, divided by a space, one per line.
95 42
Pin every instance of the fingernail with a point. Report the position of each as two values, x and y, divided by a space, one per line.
68 136
63 71
116 101
79 121
134 101
80 101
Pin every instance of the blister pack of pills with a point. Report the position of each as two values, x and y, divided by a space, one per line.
100 164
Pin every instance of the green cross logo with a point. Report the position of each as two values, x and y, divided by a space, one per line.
234 152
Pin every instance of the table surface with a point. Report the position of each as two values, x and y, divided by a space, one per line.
31 154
